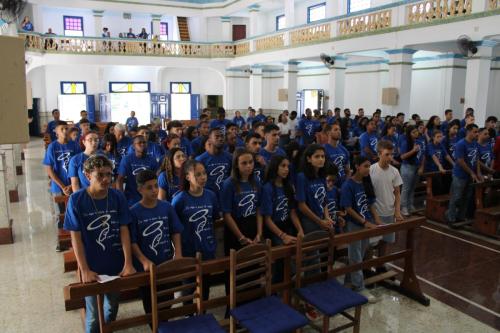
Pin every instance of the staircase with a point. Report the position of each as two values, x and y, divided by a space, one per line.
183 28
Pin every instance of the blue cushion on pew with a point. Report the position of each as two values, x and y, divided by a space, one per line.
194 324
330 297
268 315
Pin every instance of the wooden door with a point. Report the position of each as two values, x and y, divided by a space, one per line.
239 32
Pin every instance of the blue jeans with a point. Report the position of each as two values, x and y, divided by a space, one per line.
110 311
460 195
356 252
409 176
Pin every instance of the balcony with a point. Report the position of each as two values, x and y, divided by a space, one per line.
399 15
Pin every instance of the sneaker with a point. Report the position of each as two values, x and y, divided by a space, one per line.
369 296
311 313
405 212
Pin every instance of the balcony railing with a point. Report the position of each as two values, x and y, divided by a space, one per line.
402 13
433 10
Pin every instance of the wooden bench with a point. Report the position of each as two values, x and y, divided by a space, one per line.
409 285
487 214
435 205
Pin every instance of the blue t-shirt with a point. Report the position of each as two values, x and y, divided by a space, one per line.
123 145
395 143
354 196
250 120
76 169
404 148
186 146
151 229
469 152
132 122
486 153
461 133
312 192
332 202
220 124
369 140
275 203
340 157
239 121
449 144
115 159
57 157
242 204
434 150
99 222
171 188
267 155
422 142
51 130
258 172
308 127
444 126
218 168
195 145
154 150
129 167
198 215
260 118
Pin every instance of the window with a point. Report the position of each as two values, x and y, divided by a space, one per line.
73 25
129 87
73 88
163 30
280 22
316 12
180 87
357 5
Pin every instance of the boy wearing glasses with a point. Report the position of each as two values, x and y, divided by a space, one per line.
98 219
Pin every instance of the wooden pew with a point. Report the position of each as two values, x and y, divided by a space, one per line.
409 286
487 214
435 205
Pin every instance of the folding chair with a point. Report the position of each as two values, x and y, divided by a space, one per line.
250 278
321 290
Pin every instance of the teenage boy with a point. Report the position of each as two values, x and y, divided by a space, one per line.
175 127
272 136
153 149
51 126
233 141
368 141
448 117
469 119
336 153
131 165
260 117
203 129
221 121
253 143
250 118
465 171
468 111
308 128
98 219
132 121
155 230
217 162
386 181
485 152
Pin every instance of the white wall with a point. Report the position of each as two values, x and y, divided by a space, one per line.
53 18
363 87
494 100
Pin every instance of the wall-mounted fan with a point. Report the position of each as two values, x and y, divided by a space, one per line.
466 46
327 60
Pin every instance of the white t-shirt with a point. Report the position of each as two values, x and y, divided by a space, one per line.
284 128
292 124
384 181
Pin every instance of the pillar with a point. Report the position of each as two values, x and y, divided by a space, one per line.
10 171
453 85
290 83
477 81
336 83
289 13
254 20
256 87
335 8
227 33
5 221
175 29
37 18
98 21
155 20
400 68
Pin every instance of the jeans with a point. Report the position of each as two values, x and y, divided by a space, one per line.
110 311
409 176
356 252
461 194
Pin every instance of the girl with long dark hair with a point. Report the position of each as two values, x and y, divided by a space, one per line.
169 180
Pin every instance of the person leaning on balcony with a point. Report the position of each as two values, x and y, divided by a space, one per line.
26 24
130 34
49 42
105 33
143 34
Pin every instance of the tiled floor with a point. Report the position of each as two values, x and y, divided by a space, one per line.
32 277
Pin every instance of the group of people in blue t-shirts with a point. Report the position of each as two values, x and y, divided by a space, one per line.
141 195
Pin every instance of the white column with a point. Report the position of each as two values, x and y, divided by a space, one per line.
477 82
336 83
175 29
156 19
5 222
453 86
227 33
289 13
254 20
400 68
335 8
37 18
10 167
256 87
98 22
290 83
